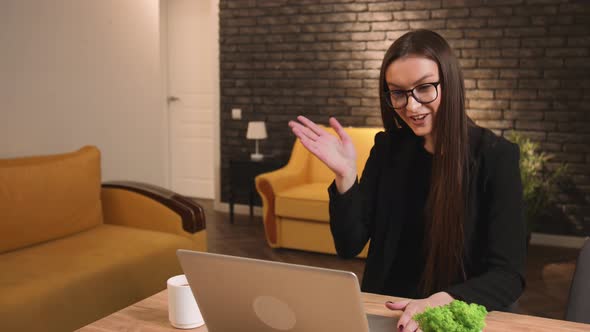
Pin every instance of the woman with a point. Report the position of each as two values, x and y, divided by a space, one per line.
440 198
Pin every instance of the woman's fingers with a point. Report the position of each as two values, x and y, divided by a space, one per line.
399 305
337 156
406 318
299 130
411 326
307 143
403 321
311 125
339 130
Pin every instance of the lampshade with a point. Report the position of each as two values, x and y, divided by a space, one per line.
256 130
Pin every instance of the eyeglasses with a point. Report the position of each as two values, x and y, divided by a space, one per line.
423 93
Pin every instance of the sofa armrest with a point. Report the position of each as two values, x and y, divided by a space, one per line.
151 207
267 184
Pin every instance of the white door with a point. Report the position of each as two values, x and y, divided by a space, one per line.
189 30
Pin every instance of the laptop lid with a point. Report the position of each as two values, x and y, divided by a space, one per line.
243 294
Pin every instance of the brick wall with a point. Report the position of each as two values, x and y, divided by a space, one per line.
526 65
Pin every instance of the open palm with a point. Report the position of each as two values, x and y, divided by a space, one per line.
338 153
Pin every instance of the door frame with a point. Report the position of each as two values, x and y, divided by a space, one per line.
167 155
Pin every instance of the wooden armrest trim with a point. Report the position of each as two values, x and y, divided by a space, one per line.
191 213
270 223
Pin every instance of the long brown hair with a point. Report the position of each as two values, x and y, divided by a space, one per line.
445 208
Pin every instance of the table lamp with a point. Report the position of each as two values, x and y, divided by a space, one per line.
256 131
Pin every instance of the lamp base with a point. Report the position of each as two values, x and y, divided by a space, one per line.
257 156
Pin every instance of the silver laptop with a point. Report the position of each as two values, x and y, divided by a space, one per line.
243 294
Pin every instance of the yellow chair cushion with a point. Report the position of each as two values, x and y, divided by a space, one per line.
87 275
307 201
48 197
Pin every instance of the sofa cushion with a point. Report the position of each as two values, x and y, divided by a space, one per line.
47 197
84 274
307 201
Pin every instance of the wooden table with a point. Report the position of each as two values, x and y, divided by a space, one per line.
151 315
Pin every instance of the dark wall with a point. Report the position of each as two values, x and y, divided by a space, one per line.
526 65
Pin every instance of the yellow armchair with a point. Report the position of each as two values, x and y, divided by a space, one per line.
295 198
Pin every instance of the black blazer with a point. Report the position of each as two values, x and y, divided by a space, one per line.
495 233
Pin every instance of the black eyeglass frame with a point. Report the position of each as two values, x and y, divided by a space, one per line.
411 91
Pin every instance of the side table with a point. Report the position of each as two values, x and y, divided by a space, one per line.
242 187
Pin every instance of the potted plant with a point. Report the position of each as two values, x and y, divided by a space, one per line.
541 185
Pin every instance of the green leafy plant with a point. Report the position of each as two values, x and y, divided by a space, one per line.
541 185
456 316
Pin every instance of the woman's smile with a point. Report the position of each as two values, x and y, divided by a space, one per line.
419 119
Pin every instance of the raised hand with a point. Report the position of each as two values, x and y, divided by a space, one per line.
337 153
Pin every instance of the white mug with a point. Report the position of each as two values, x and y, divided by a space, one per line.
183 311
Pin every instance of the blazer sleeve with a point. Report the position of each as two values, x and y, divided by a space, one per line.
352 213
503 282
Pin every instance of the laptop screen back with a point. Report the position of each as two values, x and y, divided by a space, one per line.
242 294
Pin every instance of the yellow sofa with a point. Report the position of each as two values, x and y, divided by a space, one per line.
295 197
73 250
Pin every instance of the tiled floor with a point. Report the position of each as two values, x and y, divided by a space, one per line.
549 269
